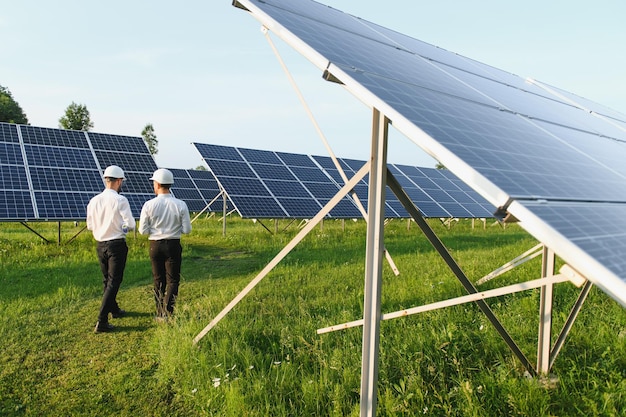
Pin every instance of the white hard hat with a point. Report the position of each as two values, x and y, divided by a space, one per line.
114 171
163 176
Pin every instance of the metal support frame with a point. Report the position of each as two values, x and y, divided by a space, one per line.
34 231
77 233
524 257
373 263
569 322
288 248
483 295
58 233
414 212
225 197
545 313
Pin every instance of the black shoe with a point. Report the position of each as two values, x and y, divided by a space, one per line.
103 327
118 314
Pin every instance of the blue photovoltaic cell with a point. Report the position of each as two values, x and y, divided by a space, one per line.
52 156
597 229
287 189
555 157
53 137
260 207
133 162
11 154
201 175
16 205
227 153
264 157
59 206
231 168
278 172
183 183
130 144
325 162
13 178
8 133
305 174
304 208
245 186
61 179
295 160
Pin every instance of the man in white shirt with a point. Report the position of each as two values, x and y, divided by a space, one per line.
109 218
164 219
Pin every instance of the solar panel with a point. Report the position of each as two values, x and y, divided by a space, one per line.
510 140
50 174
16 205
61 171
301 185
15 198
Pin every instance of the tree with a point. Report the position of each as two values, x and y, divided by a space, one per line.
200 168
76 118
439 165
150 138
10 111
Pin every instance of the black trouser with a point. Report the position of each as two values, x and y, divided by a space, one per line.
112 256
166 258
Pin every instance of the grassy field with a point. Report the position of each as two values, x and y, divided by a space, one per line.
265 358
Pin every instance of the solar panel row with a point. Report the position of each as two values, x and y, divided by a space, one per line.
51 174
266 184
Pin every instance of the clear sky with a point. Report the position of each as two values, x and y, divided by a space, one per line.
203 71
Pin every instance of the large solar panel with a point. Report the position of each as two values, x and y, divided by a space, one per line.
51 174
538 152
266 184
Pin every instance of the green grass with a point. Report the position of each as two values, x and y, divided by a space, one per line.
265 358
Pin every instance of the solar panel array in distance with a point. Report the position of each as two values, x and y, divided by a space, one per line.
267 184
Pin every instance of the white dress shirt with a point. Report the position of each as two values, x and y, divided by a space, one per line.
164 217
107 213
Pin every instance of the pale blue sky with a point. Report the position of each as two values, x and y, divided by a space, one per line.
203 71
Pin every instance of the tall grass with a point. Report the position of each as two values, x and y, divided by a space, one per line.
265 358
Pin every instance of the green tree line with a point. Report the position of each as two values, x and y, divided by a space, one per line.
76 117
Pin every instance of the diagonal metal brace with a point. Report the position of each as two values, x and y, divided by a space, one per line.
414 212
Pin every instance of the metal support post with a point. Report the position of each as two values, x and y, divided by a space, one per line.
374 264
545 313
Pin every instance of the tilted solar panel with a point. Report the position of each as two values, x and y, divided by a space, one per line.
15 198
61 170
50 174
301 185
532 150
